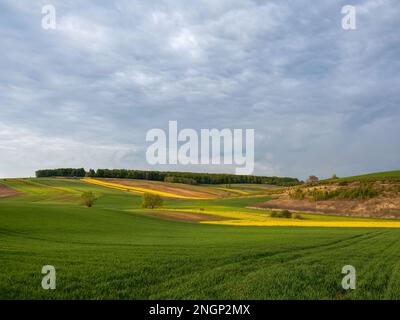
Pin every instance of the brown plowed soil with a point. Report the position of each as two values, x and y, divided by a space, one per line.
8 192
184 216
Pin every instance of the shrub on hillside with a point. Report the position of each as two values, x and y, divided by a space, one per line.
150 200
286 214
297 194
88 198
312 180
362 192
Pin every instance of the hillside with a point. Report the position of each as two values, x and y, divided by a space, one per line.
389 175
369 195
211 204
188 249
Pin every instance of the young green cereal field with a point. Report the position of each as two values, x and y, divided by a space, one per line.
117 250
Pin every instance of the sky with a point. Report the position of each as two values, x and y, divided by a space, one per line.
322 100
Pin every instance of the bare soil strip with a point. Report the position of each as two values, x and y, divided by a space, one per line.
182 216
8 192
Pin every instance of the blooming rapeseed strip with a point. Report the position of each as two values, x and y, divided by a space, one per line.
301 223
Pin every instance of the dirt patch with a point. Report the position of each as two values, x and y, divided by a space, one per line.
256 187
184 216
8 192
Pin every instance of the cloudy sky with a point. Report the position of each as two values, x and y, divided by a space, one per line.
321 99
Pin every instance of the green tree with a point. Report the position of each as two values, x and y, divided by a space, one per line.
88 198
150 200
312 180
91 173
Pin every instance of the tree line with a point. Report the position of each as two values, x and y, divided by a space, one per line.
169 176
61 172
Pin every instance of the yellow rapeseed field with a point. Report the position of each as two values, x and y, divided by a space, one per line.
250 219
310 223
231 214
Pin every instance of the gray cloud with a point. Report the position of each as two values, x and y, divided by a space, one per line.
321 100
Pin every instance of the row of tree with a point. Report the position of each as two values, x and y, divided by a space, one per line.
190 177
61 172
170 176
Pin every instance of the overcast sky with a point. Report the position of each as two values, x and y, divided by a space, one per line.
321 99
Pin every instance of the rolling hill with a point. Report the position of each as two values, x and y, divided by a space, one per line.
118 250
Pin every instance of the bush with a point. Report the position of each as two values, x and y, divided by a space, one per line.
88 198
297 194
286 214
312 180
150 200
318 195
362 192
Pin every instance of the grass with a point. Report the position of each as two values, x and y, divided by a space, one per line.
115 250
385 175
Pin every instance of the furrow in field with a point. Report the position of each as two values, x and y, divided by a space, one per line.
250 263
378 269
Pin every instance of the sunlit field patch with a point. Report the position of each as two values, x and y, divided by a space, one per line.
235 217
299 223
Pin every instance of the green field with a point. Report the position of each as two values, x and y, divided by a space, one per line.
116 250
384 175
